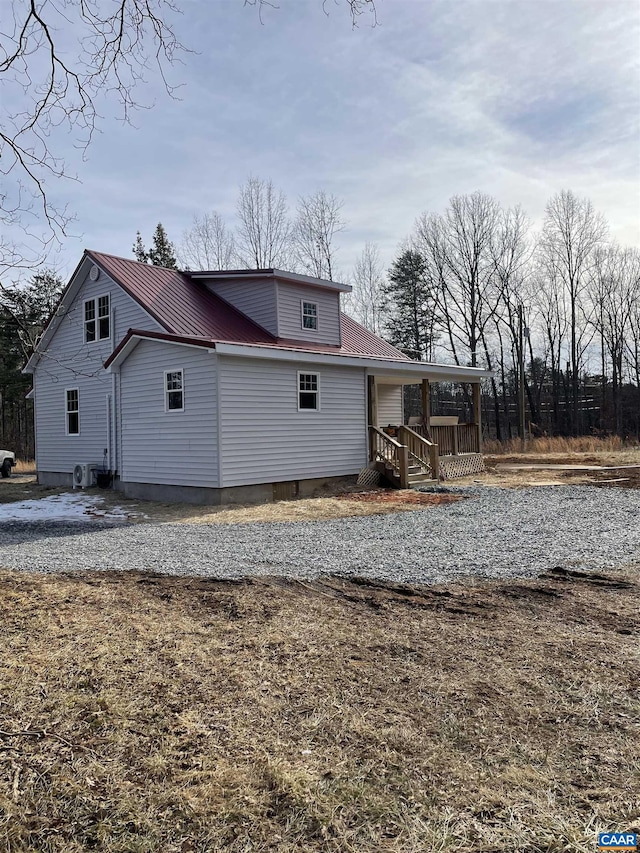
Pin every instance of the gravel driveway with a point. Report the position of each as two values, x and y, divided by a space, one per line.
495 533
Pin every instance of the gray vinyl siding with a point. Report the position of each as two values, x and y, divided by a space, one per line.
264 438
290 298
175 448
255 298
70 363
390 407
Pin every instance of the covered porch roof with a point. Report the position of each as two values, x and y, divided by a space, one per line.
412 373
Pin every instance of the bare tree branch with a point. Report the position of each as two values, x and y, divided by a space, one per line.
367 298
207 245
57 57
572 232
264 232
317 222
357 8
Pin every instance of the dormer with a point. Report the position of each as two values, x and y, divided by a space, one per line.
289 306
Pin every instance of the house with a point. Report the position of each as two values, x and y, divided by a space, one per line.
217 387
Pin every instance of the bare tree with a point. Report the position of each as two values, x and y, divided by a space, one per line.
458 250
368 289
632 343
207 245
614 291
263 238
511 256
571 233
550 302
318 221
50 89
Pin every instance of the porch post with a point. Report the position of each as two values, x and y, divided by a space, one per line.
477 413
372 402
426 404
372 419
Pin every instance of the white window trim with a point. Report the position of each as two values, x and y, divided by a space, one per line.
96 319
304 302
108 316
317 393
166 390
66 412
85 321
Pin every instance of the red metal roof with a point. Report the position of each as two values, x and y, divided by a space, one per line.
181 306
185 308
360 341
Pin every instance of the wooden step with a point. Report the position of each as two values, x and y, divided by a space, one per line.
420 479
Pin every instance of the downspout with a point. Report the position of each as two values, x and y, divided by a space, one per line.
113 462
109 432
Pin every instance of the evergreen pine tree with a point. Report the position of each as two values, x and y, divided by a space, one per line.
139 250
410 305
24 310
162 252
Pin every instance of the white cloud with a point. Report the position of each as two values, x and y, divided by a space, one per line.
516 99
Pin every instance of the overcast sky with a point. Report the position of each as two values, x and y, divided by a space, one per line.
516 98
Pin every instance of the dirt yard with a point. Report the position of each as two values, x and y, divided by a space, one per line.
143 713
146 713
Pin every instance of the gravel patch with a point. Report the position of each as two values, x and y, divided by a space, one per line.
495 533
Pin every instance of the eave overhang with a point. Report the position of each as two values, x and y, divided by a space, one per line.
280 275
134 336
384 369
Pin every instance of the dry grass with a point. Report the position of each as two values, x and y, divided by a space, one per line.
559 445
347 505
25 466
344 503
141 714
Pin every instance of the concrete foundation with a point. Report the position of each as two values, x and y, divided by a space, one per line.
254 494
55 478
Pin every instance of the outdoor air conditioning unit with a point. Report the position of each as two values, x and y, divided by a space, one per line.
84 474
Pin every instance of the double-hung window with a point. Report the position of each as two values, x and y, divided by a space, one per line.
310 316
97 319
308 391
73 411
174 391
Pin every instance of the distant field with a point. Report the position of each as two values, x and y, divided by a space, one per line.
141 713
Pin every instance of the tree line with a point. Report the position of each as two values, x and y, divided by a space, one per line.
24 311
555 315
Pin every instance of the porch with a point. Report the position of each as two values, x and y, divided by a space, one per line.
427 448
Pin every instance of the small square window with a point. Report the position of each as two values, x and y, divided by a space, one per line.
174 391
73 411
310 316
308 391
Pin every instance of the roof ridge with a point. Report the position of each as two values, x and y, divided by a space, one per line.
93 252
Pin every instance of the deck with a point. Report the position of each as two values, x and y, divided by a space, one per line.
418 455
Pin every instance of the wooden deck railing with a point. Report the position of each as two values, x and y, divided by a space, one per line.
384 448
468 438
452 440
423 451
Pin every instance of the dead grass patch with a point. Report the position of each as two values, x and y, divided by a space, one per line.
146 713
25 466
342 504
560 445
